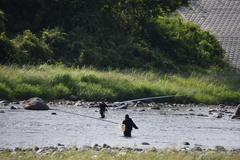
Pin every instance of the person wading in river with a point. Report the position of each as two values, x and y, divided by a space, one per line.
129 124
103 109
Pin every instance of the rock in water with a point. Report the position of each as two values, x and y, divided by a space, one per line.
35 104
186 143
145 143
12 107
236 115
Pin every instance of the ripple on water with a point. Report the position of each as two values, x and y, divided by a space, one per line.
82 126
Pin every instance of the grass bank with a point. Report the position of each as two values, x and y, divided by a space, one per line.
120 155
56 82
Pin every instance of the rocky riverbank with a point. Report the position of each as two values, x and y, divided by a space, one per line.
38 104
115 150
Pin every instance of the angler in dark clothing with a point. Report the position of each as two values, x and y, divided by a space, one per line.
128 122
103 109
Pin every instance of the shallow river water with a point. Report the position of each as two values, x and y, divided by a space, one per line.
79 126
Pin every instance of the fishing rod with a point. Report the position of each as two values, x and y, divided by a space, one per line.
141 99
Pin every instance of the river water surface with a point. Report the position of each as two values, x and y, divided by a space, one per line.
79 126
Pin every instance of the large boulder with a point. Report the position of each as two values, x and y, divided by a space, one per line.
35 104
236 115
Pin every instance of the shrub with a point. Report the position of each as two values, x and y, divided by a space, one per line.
185 43
91 78
25 91
60 91
31 49
67 81
57 41
5 92
7 50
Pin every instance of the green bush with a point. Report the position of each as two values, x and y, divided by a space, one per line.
7 50
185 43
25 91
67 81
91 78
57 41
5 91
60 91
31 49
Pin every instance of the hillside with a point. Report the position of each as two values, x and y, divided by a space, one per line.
104 34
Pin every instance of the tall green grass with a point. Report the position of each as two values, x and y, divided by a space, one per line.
53 82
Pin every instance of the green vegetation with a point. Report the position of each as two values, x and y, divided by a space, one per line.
113 34
121 155
56 82
137 48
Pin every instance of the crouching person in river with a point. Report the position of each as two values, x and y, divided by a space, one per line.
129 124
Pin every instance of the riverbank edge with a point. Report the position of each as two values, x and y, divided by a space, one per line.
114 151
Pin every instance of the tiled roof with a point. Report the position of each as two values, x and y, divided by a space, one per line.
222 18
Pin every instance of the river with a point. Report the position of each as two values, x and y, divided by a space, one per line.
69 125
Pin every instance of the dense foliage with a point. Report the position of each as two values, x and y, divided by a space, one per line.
104 34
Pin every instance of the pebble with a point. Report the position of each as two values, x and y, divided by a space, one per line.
157 108
59 144
145 143
12 107
186 143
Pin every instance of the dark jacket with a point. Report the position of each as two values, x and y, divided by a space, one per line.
103 107
129 124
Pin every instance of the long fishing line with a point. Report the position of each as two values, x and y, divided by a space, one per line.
86 116
120 102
